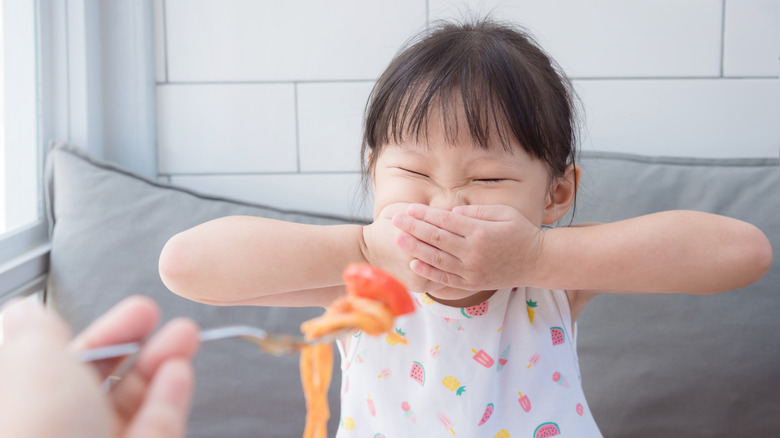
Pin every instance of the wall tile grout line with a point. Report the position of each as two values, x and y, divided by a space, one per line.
722 35
297 129
242 174
165 37
273 82
574 78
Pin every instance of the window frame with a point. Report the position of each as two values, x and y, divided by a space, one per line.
24 251
69 109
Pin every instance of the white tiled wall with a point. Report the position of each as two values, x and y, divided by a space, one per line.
262 100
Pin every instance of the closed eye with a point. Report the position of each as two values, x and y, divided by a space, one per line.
491 180
413 172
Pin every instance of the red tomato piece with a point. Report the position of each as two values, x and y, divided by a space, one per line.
366 281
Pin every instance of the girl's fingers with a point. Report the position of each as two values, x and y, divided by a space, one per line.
443 219
166 405
429 233
493 213
436 275
429 254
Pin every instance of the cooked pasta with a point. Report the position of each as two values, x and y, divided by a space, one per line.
373 300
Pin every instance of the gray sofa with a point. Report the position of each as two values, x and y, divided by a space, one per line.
651 365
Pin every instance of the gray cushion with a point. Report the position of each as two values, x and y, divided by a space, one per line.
108 229
651 365
683 365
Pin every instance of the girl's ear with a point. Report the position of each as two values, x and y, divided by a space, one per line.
562 193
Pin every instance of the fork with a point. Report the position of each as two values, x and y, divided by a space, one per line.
274 344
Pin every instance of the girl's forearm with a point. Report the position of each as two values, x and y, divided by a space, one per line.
241 257
675 251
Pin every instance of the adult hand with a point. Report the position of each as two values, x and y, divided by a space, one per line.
381 250
47 392
474 247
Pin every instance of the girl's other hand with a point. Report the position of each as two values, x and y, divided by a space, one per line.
381 250
475 247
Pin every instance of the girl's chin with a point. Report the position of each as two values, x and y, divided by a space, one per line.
459 297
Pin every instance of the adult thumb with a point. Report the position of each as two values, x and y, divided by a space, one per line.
28 316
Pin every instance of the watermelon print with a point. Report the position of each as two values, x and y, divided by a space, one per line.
545 430
487 414
557 335
479 309
418 373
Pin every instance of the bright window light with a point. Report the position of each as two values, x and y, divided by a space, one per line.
20 199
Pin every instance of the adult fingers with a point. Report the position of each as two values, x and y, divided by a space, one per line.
178 339
166 406
131 320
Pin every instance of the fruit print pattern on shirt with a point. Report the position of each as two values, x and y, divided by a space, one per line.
502 368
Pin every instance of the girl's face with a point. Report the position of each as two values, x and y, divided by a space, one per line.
444 175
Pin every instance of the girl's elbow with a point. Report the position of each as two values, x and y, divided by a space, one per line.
764 255
177 266
757 255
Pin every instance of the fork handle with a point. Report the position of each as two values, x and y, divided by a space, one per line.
214 334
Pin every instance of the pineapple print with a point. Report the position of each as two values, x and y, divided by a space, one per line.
530 305
503 433
348 423
453 384
396 337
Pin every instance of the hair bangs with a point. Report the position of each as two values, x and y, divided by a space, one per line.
489 76
450 91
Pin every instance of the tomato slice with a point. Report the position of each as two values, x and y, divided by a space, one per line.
366 281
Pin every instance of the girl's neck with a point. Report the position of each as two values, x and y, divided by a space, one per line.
467 301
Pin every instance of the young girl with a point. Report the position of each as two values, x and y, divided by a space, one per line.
469 146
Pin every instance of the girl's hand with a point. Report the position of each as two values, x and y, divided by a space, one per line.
475 247
381 250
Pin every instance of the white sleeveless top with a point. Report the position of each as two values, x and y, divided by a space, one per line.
505 368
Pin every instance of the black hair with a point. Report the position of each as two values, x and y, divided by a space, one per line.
507 85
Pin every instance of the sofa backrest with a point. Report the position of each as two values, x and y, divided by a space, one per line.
652 365
683 365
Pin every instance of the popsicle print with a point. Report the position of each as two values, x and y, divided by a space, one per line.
483 358
448 424
525 402
533 360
